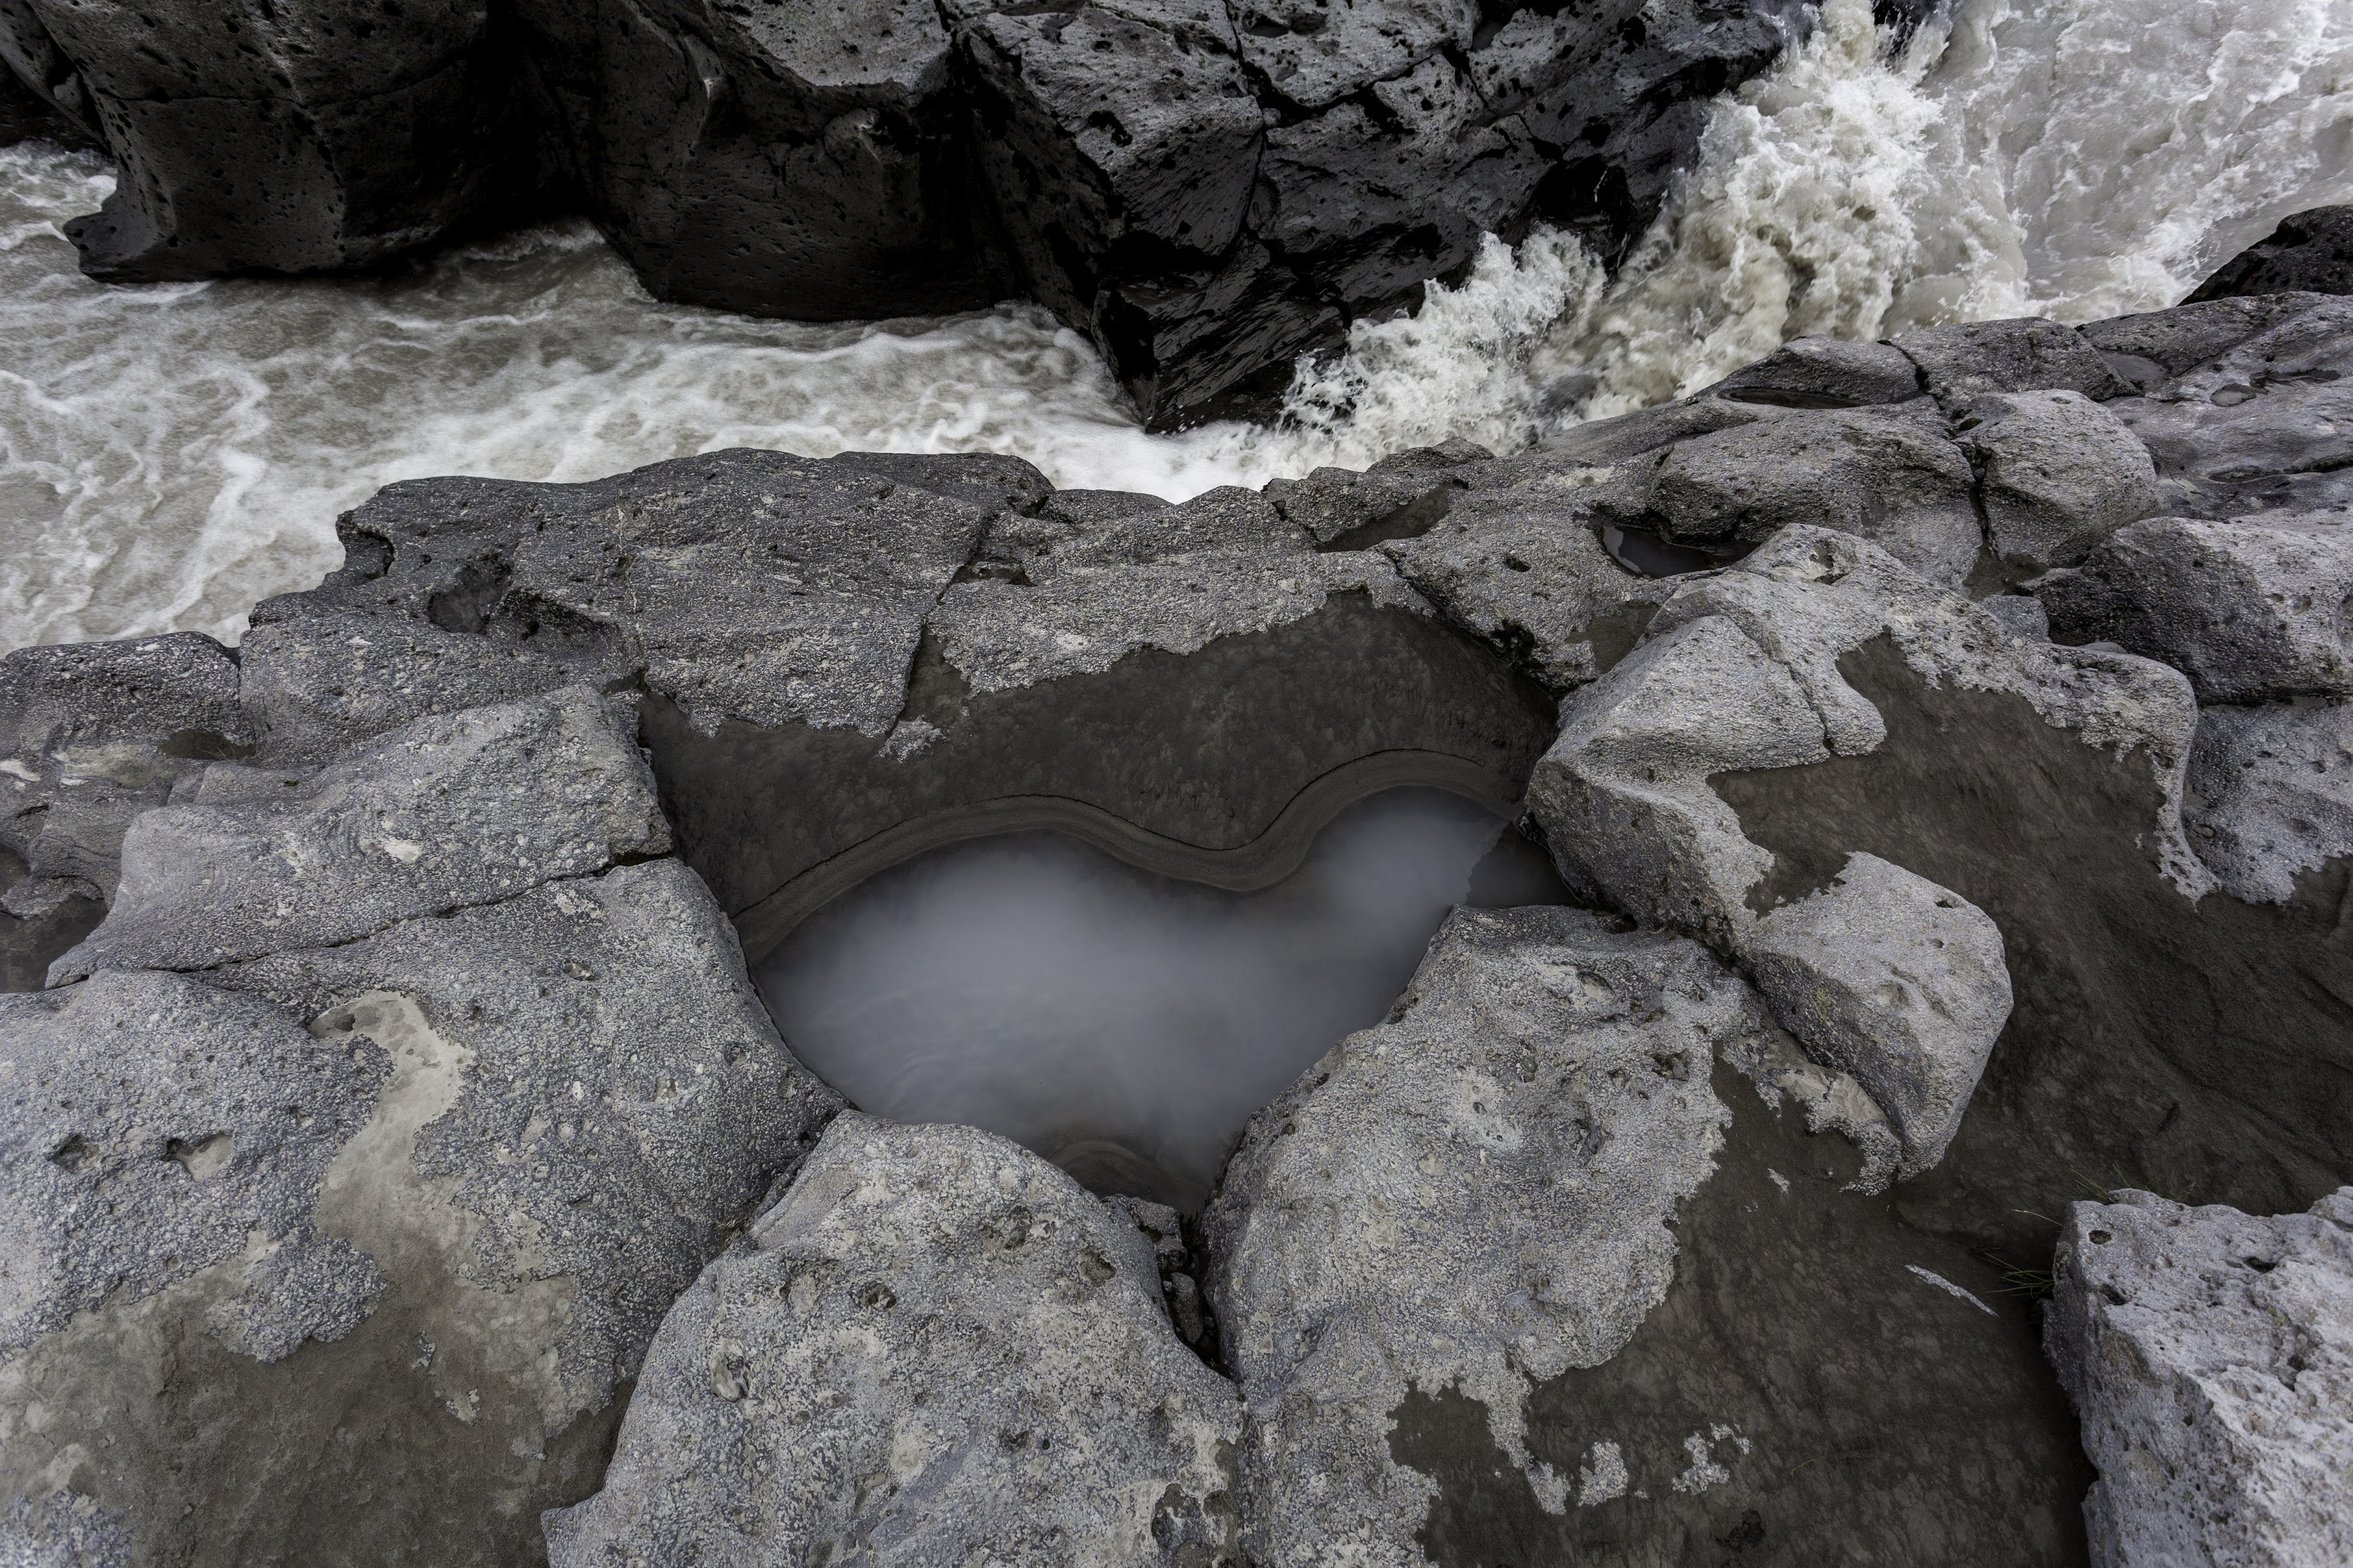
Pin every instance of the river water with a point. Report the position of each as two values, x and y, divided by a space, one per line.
169 454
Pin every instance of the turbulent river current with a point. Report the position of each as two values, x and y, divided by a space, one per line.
170 454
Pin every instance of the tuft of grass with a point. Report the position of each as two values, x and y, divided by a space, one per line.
2030 1284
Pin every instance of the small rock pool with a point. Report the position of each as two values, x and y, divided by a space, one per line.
1122 1024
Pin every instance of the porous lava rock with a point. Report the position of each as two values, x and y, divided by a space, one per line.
936 1347
290 139
1906 922
2249 609
349 1254
2309 252
2210 1353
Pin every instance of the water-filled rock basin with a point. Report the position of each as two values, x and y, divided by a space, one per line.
1123 1024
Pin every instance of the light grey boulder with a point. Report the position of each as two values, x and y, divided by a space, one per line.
2248 610
2057 473
1339 508
1889 476
451 811
345 1254
2265 423
1897 981
1960 363
935 1348
2210 1353
1477 1195
94 733
1741 670
1524 568
1613 440
1823 372
2020 615
2157 346
2269 795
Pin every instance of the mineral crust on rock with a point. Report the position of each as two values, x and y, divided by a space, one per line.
412 1206
935 1348
1476 1194
448 812
2210 1356
2249 609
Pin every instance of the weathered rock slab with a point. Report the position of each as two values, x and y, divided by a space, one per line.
449 811
1476 1193
935 1348
2210 1356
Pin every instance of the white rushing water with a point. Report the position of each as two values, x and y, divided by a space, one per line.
169 454
1120 1024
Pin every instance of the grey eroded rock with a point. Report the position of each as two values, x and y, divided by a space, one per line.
2150 349
508 1139
161 1134
2269 795
1889 476
451 811
738 585
1889 977
1522 567
2261 424
2057 473
2248 610
935 1348
1172 578
1824 373
327 134
2311 251
1740 671
94 733
1476 1194
1959 364
2210 1353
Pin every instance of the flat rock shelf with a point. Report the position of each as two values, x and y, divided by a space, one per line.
1893 1108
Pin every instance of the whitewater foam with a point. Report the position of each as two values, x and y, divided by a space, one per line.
170 454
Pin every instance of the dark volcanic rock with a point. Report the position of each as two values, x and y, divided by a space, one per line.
2311 252
27 115
808 160
325 134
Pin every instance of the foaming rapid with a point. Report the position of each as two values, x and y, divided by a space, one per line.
2071 158
1124 1025
170 454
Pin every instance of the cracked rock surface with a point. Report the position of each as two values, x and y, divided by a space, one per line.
1473 1196
2210 1354
935 1347
448 812
414 1204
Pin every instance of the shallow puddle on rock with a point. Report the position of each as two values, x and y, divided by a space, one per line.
1124 1025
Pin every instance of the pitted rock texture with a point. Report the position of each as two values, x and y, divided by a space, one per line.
2210 1354
1208 188
2263 422
745 585
1740 671
2249 609
1959 364
935 1348
94 733
288 139
2312 252
2269 795
448 812
1889 977
2057 474
1476 1194
505 1142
